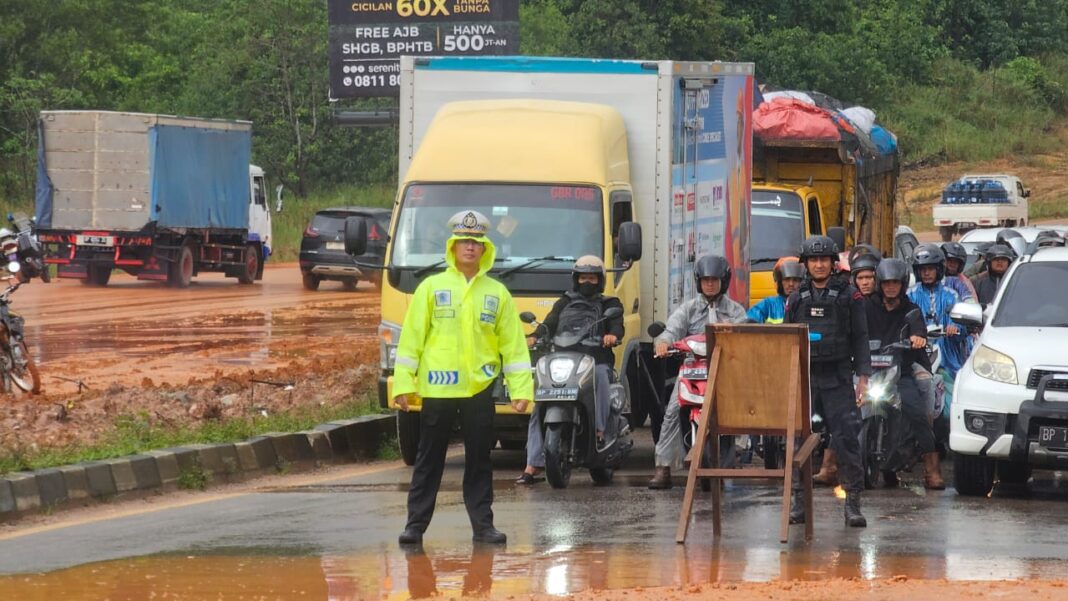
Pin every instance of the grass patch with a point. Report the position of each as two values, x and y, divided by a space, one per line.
389 450
965 114
193 478
138 433
288 226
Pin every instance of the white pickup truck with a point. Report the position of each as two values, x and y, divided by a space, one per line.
981 201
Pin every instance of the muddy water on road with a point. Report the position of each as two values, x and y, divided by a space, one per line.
499 574
133 330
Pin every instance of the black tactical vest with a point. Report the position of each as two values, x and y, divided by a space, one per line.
830 318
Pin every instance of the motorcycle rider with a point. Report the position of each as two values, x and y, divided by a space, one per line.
956 258
998 259
788 274
936 299
835 311
712 274
888 315
862 271
576 308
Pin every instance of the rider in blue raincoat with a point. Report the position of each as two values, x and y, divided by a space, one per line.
935 299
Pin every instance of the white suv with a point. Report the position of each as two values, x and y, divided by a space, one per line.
1007 416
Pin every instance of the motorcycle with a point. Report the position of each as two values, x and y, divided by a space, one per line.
30 253
885 446
565 405
16 364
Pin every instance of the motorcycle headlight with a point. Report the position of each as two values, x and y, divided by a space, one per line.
992 365
697 347
877 391
560 369
14 267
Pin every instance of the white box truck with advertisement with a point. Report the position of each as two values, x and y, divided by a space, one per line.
565 157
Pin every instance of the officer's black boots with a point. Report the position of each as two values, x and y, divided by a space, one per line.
490 536
853 516
797 509
411 536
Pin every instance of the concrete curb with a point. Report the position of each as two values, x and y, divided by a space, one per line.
193 466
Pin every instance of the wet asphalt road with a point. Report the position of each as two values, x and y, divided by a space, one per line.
337 540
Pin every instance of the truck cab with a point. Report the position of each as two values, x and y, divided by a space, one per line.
783 215
259 213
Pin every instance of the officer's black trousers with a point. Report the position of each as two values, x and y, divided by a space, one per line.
836 396
435 427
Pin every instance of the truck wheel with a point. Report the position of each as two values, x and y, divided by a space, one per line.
311 281
557 454
349 284
98 275
251 266
408 435
180 273
973 476
946 232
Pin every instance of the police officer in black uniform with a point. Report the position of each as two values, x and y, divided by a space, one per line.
838 327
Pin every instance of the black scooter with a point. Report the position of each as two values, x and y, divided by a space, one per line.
565 407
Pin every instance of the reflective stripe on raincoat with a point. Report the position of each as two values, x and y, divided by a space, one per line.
458 336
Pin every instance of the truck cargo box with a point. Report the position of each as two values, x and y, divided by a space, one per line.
101 170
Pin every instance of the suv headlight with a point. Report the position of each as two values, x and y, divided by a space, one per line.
992 365
560 369
388 337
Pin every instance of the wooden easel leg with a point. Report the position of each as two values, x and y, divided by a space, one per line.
687 498
791 444
717 486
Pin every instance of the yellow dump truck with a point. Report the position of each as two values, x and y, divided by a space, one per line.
803 188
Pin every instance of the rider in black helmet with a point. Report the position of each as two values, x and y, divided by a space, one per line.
998 258
889 313
712 275
835 314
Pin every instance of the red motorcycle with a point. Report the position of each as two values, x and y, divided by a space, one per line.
692 381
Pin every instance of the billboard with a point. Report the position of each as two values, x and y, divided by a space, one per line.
367 37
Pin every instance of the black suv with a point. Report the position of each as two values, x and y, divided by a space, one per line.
322 250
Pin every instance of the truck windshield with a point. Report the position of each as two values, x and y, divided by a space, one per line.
526 222
778 226
1035 297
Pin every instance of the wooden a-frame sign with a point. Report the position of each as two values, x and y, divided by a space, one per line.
758 383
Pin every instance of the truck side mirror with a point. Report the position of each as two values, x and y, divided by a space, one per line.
355 236
838 234
630 242
969 314
1027 194
278 196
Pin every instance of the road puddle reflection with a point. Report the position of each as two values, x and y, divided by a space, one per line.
486 571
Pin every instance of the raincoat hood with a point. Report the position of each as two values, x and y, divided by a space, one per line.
488 257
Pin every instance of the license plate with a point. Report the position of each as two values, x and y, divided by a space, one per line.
335 246
95 240
1052 437
967 225
694 374
882 360
556 394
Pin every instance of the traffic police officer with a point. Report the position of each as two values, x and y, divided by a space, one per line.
461 332
838 326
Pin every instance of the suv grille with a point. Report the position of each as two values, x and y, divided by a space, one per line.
1036 375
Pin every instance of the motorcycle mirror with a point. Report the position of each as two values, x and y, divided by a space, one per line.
656 328
527 317
613 312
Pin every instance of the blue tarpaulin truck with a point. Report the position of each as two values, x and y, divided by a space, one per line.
157 196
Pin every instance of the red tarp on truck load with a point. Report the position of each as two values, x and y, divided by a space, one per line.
793 119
